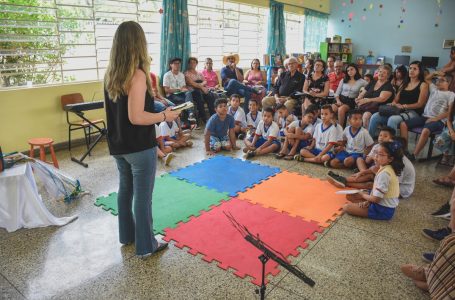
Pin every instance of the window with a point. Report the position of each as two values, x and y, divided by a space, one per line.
294 32
220 27
57 41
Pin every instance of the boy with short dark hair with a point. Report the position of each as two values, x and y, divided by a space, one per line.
297 136
239 116
253 117
356 143
219 131
283 115
265 138
324 138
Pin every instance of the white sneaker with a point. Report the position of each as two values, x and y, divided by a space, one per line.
168 158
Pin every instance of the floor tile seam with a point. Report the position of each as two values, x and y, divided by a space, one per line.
57 296
408 242
17 290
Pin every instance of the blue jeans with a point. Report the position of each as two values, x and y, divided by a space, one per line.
235 87
159 106
137 178
392 121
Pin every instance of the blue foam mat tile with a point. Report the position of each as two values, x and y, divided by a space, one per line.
225 174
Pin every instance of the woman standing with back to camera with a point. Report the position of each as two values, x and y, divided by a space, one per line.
131 135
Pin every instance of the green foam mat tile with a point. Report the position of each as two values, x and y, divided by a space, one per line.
174 201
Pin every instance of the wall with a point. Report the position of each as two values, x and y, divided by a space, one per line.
36 112
379 29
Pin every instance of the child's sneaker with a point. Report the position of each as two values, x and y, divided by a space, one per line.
241 136
336 180
443 212
250 154
428 257
189 143
327 164
437 235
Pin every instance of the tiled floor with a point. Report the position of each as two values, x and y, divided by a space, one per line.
353 259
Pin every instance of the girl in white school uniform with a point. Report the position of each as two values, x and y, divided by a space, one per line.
380 204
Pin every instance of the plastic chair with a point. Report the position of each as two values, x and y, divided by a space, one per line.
77 125
42 143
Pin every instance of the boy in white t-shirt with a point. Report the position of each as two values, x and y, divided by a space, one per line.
253 117
239 116
325 136
298 135
164 152
284 118
435 113
356 141
173 137
265 138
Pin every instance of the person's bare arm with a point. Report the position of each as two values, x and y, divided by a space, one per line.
136 102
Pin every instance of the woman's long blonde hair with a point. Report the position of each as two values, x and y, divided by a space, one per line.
128 53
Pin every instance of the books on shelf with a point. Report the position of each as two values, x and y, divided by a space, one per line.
360 60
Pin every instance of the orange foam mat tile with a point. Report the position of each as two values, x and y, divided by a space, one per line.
298 195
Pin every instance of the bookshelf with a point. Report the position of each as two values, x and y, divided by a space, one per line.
341 51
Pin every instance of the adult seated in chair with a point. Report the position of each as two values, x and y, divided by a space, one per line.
256 78
159 101
348 89
201 94
435 114
377 92
409 101
232 78
287 84
330 65
449 68
175 86
336 76
316 86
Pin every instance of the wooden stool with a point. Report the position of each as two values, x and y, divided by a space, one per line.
41 143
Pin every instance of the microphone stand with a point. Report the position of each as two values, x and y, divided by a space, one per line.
267 254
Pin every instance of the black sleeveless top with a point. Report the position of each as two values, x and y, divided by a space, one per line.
122 136
318 84
411 97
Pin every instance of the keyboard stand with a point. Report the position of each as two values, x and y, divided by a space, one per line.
102 131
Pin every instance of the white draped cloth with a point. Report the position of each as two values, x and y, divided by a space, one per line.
21 205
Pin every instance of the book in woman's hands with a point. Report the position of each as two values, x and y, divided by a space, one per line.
183 106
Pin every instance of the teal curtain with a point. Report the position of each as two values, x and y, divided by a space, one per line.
175 34
315 30
277 29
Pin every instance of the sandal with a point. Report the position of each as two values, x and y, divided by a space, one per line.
299 157
289 157
280 155
444 182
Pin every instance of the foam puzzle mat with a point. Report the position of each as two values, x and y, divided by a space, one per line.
174 201
212 235
225 174
303 196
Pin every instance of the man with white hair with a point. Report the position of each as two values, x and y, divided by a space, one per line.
285 87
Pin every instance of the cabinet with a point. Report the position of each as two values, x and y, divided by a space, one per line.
341 51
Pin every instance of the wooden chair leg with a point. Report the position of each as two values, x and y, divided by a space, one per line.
42 153
32 152
54 158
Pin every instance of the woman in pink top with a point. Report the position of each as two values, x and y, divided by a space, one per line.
210 76
255 78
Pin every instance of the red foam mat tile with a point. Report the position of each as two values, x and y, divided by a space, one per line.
212 235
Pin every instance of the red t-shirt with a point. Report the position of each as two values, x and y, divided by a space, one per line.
334 80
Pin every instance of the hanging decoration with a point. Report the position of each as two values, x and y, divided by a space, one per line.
403 12
439 13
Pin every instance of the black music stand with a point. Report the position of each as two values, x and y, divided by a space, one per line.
267 253
102 131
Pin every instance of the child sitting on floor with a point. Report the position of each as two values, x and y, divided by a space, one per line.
266 137
297 136
316 113
380 204
324 138
173 137
356 142
219 131
253 117
164 152
239 116
364 178
283 116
